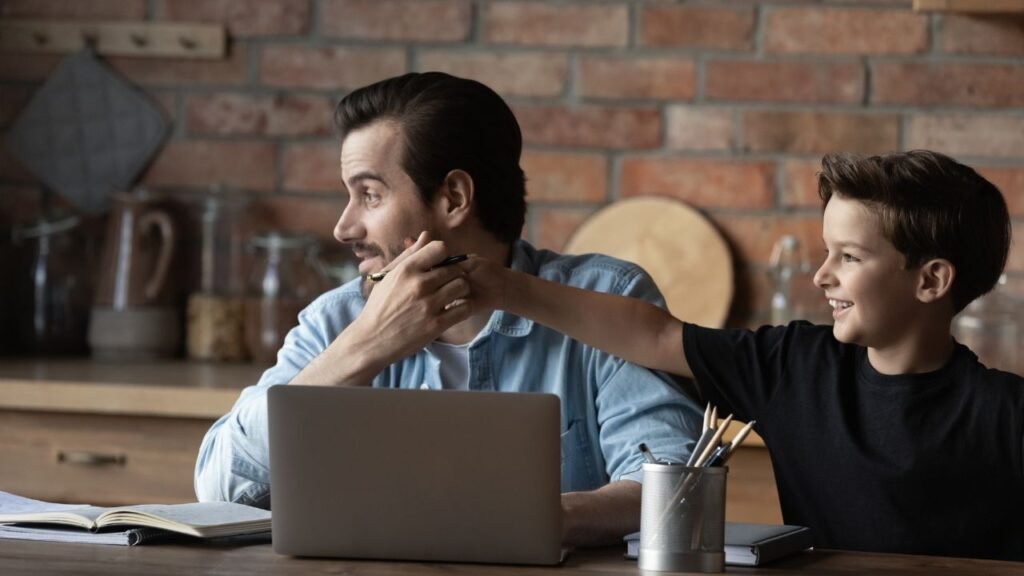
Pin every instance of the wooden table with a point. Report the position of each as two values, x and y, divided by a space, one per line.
25 557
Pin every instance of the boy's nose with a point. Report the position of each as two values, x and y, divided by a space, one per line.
823 276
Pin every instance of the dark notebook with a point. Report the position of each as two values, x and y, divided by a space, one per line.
750 544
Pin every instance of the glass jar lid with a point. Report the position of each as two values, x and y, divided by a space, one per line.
282 241
46 227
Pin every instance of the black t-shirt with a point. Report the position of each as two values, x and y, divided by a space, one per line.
918 463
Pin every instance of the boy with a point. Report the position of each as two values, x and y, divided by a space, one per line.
885 433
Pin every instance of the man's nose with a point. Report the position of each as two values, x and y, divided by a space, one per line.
348 229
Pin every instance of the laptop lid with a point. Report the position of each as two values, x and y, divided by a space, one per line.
453 476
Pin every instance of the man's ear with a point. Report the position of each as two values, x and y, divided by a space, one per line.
935 280
453 203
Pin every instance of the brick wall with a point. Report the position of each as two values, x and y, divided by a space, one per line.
727 105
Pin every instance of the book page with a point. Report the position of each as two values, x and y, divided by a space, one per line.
208 518
14 508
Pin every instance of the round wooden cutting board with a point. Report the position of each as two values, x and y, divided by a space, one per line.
681 250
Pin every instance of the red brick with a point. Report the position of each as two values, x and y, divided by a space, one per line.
536 23
242 17
74 10
565 177
707 183
700 128
406 20
715 28
243 114
968 135
552 227
331 68
800 183
754 236
312 215
810 132
168 102
312 167
844 31
24 67
784 81
947 84
1015 261
621 77
203 163
12 100
173 72
1010 181
509 74
590 126
1001 35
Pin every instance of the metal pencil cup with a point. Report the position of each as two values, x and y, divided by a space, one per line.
682 518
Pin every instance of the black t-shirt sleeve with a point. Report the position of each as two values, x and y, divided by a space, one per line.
738 371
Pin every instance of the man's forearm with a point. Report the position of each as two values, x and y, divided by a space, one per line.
351 360
601 517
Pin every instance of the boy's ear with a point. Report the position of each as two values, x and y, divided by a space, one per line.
935 280
454 201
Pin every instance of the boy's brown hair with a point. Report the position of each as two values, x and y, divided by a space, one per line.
929 206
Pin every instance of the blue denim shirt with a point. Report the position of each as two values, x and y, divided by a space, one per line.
609 406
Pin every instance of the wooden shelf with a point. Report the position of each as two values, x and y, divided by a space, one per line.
170 389
970 6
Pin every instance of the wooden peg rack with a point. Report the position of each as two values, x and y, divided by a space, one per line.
147 39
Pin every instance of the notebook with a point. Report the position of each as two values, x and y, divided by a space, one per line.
750 544
27 519
442 476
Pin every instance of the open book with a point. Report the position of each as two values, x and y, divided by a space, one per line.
198 519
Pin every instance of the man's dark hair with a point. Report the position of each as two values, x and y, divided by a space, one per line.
450 123
929 206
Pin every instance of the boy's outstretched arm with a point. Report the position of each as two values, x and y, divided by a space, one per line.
629 328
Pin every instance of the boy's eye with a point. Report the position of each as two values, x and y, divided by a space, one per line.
850 258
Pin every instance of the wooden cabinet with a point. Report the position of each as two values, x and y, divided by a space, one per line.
107 434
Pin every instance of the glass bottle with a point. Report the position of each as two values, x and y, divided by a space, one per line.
794 295
990 327
53 288
285 278
215 316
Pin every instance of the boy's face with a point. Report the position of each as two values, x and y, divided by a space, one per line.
873 298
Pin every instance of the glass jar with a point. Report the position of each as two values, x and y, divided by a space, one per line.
285 278
52 287
990 327
215 311
794 295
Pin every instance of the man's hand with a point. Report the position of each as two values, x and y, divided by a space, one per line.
411 306
601 517
415 302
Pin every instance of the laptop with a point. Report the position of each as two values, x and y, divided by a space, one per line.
441 476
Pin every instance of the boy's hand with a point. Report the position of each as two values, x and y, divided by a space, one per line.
489 283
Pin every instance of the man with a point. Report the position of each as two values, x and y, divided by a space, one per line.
437 154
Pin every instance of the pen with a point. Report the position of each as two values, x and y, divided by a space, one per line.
378 276
647 454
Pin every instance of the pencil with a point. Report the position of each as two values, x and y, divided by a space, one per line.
714 441
707 417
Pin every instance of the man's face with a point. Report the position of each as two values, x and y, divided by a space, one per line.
871 294
384 208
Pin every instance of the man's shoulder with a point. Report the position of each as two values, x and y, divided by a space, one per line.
589 271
